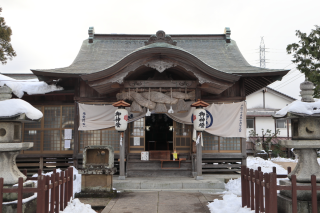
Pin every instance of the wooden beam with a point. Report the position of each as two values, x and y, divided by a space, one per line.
221 98
88 99
160 83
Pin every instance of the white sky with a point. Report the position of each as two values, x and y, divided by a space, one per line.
48 34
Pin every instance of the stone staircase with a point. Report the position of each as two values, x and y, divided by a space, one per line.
208 185
139 168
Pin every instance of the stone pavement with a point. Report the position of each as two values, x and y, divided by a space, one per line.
160 202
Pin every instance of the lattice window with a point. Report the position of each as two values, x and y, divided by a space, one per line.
111 137
213 143
183 129
52 117
99 137
210 142
48 134
137 128
230 143
51 140
68 117
35 137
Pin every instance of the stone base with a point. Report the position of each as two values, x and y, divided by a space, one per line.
303 195
27 207
7 197
96 183
121 177
199 178
285 205
9 170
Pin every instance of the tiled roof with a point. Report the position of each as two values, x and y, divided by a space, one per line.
107 50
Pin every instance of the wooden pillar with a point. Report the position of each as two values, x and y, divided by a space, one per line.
199 160
76 124
122 175
243 151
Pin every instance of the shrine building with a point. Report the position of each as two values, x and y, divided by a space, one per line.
156 74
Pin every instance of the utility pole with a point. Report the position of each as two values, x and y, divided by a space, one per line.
262 54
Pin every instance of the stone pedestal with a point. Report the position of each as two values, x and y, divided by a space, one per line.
307 164
96 183
8 153
285 205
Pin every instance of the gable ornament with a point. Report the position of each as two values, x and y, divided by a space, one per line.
160 36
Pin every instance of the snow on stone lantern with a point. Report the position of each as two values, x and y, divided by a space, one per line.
121 117
305 121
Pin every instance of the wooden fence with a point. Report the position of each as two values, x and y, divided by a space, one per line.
259 191
61 185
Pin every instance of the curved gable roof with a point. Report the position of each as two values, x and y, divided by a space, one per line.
107 50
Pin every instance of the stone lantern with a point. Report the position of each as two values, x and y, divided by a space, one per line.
10 140
305 123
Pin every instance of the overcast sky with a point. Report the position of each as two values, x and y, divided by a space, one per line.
48 34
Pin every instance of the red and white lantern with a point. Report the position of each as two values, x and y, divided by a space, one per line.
199 115
199 119
121 116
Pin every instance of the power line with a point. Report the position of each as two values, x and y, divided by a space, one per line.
288 82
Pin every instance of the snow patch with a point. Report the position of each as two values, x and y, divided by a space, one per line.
279 159
298 106
31 86
231 203
13 107
75 206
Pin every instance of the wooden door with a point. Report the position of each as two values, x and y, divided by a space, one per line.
137 136
182 137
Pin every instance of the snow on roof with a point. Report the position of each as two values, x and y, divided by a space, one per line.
31 86
12 107
308 108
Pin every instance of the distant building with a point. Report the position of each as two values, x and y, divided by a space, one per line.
261 105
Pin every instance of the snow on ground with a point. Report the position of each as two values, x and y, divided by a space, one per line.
231 202
75 206
279 159
31 86
298 106
266 165
15 106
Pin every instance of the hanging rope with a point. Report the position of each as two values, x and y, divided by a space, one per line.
170 110
148 112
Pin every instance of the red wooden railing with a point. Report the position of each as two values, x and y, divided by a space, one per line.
59 183
254 183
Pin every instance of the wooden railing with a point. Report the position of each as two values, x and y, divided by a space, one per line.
61 185
259 191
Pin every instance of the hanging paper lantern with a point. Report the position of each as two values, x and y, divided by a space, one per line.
121 116
199 115
199 119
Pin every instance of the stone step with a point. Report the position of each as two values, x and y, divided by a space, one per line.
172 183
182 172
204 191
157 165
